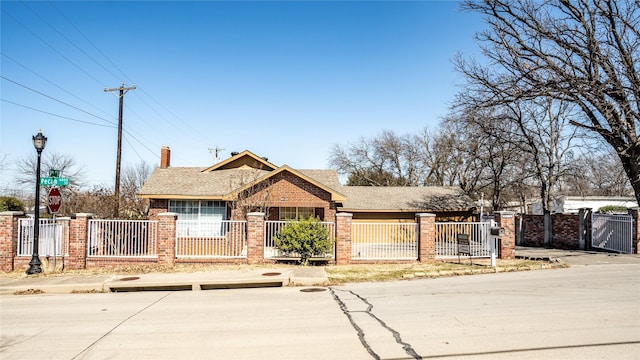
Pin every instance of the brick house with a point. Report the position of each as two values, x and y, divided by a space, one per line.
247 183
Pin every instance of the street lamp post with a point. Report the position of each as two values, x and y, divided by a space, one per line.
34 265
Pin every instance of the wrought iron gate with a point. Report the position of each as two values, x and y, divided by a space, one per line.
612 232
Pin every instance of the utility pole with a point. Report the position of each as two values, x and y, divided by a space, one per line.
122 90
217 151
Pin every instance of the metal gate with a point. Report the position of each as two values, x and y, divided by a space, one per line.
52 240
612 232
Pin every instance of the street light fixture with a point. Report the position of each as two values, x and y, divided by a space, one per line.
39 142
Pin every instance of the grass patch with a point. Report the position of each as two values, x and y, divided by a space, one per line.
386 272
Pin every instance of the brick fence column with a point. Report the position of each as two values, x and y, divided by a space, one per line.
343 238
255 237
635 242
426 237
507 246
166 248
78 238
8 238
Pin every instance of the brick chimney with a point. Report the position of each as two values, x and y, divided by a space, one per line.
165 157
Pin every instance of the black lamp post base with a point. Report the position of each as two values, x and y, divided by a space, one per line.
34 266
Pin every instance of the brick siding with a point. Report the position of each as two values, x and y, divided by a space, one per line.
565 229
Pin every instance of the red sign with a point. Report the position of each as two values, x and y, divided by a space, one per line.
54 200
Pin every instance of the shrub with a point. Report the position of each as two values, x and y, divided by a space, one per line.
8 203
613 209
307 238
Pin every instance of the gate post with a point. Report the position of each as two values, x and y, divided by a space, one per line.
426 237
8 239
166 248
78 240
583 235
635 240
255 237
507 247
343 238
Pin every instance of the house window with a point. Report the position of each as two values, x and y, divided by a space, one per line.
296 213
199 210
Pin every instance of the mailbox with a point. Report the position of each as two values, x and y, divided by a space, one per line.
497 231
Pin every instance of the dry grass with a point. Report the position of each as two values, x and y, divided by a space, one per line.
386 272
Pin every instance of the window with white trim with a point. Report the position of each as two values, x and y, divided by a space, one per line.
199 210
199 217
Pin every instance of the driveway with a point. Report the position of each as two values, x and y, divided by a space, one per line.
577 257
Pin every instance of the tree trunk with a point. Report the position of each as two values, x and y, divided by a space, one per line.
631 164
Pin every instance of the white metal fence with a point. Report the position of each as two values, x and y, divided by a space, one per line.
122 238
384 241
272 227
51 238
211 239
612 232
479 236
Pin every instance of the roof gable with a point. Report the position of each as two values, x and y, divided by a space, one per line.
245 159
335 195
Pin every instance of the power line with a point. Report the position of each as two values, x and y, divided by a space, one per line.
89 41
68 40
141 143
160 114
52 114
54 99
50 47
53 83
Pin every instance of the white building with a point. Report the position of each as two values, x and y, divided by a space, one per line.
571 204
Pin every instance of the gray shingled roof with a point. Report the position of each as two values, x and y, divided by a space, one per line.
191 181
329 178
429 198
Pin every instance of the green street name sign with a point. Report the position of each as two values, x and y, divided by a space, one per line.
54 181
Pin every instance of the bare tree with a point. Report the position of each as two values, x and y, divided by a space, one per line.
99 201
498 161
26 175
26 169
134 177
537 129
597 173
385 160
584 52
256 195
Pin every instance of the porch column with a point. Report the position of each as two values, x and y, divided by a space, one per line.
78 239
507 245
8 238
166 248
635 240
255 237
426 237
343 238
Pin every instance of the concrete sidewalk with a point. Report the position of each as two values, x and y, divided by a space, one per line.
261 277
224 279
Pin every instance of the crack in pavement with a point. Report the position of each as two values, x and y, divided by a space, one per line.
408 349
117 326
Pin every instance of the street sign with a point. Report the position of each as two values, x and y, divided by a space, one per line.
54 181
54 173
54 200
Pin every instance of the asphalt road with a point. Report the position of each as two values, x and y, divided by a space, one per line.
583 312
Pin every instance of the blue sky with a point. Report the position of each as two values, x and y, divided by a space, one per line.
286 80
